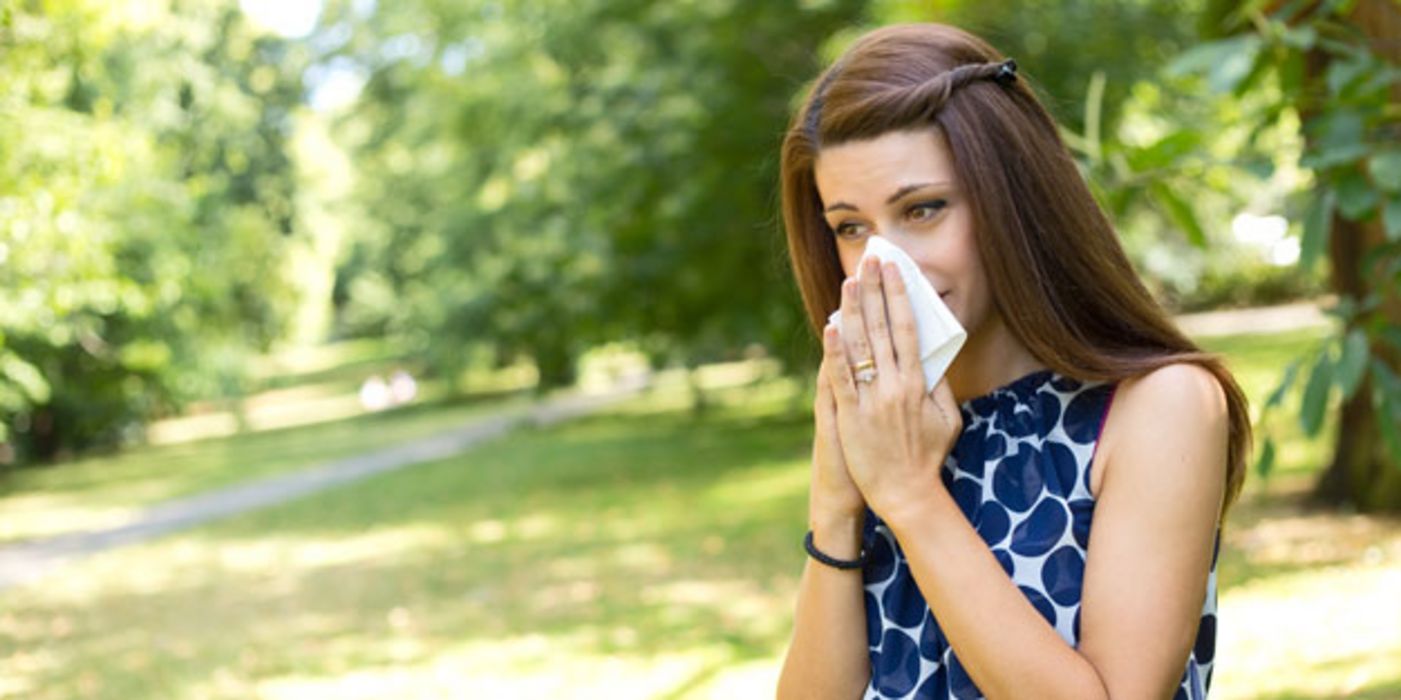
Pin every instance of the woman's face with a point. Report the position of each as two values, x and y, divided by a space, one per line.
902 186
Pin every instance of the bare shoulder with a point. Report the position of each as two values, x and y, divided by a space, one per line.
1156 518
1178 385
1182 401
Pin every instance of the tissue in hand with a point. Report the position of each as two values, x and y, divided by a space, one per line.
940 335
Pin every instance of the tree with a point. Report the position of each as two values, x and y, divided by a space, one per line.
1336 67
144 205
540 181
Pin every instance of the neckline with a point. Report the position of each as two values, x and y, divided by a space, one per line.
1016 386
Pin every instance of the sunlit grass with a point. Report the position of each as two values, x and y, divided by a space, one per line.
1257 361
609 551
645 552
106 491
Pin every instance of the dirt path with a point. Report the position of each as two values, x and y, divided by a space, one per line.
24 563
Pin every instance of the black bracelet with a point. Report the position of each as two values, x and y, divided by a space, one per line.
844 564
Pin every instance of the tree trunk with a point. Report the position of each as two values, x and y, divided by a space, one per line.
556 365
1362 474
700 403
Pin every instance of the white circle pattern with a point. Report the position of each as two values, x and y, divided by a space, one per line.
1020 473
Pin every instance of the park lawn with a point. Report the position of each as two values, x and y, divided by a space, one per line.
109 490
639 553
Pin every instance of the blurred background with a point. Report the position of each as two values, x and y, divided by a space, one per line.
430 349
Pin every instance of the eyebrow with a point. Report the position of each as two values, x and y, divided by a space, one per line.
889 200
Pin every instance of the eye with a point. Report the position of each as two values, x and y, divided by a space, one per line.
847 229
925 211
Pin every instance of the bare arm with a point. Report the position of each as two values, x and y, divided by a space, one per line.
1150 551
827 657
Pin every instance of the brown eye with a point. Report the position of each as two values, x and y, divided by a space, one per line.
925 211
847 229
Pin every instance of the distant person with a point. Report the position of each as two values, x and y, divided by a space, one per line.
1045 522
402 387
374 394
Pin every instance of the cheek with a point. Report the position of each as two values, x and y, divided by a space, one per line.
849 257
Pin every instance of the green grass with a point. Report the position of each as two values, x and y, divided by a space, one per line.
1257 361
105 491
643 546
639 553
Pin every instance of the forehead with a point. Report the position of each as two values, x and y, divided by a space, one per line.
875 167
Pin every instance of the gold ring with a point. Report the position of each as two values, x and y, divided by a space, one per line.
864 364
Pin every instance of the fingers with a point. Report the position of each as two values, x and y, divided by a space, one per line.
834 355
856 345
877 322
902 324
825 399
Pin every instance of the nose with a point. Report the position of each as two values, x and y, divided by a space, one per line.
905 243
910 245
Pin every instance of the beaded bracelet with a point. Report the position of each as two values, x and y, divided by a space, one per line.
844 564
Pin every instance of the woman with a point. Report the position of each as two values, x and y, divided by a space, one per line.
1006 534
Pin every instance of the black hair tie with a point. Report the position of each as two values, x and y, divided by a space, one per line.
1006 73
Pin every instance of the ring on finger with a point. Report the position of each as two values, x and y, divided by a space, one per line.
864 364
866 375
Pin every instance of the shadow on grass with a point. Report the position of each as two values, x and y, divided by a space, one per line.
276 446
610 536
1276 533
1386 687
641 536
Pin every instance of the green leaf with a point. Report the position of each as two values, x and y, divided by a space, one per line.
1317 224
1337 139
1391 219
1353 363
1389 413
1266 461
1341 74
1291 75
1316 395
1282 388
1385 167
24 375
1392 334
1167 150
1261 63
1386 399
1225 63
1324 157
1356 198
1300 37
1181 214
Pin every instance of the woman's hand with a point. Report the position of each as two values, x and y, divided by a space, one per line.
832 494
893 435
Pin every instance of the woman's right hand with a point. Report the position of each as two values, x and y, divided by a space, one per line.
833 494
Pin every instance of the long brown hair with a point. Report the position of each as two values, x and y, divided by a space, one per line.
1059 277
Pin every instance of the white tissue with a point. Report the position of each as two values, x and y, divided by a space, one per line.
940 335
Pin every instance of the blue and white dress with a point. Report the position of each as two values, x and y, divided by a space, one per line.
1020 473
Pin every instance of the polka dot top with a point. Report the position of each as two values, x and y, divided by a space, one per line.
1020 473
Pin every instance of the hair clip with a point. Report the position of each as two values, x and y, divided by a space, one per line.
1007 72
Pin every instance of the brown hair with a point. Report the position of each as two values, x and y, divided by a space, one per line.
1059 277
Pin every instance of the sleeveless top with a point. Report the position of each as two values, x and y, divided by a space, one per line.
1020 473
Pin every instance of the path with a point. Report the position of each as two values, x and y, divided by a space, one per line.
1264 319
24 563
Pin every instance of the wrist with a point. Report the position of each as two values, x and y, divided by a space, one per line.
837 534
913 504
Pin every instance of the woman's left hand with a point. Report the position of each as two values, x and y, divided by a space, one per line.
893 434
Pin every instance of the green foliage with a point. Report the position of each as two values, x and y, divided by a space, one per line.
1349 121
1238 279
603 170
144 198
